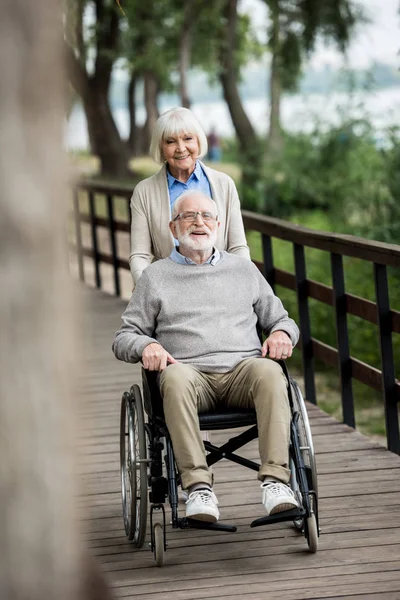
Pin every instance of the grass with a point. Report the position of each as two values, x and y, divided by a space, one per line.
141 166
368 405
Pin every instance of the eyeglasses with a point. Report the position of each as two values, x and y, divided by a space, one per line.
191 215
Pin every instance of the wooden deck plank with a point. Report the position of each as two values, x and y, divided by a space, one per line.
302 588
359 555
326 578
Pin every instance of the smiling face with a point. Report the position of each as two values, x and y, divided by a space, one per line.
197 235
180 151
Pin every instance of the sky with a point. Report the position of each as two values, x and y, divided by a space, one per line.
378 41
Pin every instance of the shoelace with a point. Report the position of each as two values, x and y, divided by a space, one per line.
206 496
277 489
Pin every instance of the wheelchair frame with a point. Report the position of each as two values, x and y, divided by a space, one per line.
148 475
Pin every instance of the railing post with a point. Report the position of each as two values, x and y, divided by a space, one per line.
339 299
78 234
268 258
305 328
95 244
390 394
113 241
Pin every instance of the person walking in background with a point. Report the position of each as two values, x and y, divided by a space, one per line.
179 143
214 146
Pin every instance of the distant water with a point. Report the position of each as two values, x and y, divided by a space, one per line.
299 113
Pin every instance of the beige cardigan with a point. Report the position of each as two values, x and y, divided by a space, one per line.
151 238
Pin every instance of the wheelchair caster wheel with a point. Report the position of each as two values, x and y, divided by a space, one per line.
312 533
159 548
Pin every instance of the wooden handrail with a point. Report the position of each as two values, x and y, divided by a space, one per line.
380 255
346 245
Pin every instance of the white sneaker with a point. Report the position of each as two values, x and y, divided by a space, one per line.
277 497
202 506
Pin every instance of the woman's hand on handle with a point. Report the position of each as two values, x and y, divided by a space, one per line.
156 358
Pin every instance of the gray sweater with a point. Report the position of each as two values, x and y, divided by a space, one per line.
202 315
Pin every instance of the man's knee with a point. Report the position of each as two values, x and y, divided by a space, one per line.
178 378
268 373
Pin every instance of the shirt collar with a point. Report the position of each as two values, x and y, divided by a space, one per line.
195 175
177 257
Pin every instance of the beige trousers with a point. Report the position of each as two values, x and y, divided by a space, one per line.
254 383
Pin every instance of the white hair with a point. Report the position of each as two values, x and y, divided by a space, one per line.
190 194
176 121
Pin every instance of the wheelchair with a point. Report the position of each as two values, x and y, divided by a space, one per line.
149 473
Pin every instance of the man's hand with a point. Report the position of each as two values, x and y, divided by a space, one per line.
155 358
278 345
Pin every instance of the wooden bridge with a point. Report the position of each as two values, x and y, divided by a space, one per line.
359 479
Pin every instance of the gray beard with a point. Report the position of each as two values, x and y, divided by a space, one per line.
201 244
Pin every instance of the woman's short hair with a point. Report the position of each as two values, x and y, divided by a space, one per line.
172 122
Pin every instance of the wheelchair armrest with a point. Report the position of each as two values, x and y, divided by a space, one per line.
153 403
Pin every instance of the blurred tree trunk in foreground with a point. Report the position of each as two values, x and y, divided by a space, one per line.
41 554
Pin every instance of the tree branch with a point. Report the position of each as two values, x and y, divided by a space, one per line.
77 74
106 41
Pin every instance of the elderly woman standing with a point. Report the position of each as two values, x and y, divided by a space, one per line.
178 143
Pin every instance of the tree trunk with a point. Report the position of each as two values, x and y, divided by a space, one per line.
228 77
250 147
105 140
41 553
185 48
243 127
134 131
275 137
151 105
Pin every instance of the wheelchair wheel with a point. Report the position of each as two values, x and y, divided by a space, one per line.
159 548
305 438
308 526
133 457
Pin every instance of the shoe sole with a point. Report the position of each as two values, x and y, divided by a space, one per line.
203 517
282 508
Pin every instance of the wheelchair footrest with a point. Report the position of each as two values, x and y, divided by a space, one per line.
287 515
193 524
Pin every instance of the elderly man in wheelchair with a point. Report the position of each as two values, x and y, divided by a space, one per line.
194 319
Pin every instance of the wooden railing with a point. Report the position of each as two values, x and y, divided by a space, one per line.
338 246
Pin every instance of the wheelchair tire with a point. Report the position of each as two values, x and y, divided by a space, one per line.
311 528
305 438
133 460
159 548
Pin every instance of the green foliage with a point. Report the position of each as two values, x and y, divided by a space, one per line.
295 25
338 180
363 336
150 39
342 172
154 29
